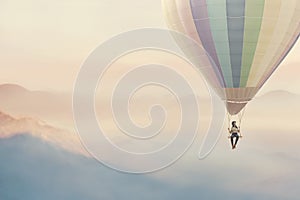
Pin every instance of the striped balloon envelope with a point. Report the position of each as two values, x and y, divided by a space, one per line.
243 41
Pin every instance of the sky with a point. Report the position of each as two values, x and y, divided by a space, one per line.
42 46
51 39
44 43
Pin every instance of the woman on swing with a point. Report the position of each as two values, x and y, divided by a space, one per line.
234 133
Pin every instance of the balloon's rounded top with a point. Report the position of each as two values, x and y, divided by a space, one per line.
245 41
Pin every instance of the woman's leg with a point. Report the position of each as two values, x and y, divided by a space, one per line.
231 138
236 140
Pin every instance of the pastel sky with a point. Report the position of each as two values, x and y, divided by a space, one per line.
42 46
43 43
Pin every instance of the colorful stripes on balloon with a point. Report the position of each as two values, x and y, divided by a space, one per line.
245 39
242 42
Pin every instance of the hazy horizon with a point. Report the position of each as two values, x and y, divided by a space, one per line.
76 30
152 120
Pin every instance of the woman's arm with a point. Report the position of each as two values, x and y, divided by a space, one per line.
239 131
229 130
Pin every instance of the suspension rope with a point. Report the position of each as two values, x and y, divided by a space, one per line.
229 124
229 119
240 116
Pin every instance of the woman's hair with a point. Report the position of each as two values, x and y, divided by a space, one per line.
233 123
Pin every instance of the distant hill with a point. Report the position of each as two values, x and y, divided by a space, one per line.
276 110
10 126
277 99
12 88
282 94
54 108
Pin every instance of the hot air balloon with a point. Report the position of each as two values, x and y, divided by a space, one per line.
244 41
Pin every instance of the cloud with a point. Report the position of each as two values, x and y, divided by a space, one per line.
10 126
39 162
31 169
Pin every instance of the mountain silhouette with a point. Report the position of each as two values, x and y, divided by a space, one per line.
11 126
55 108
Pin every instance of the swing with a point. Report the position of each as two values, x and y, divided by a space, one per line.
235 133
240 116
